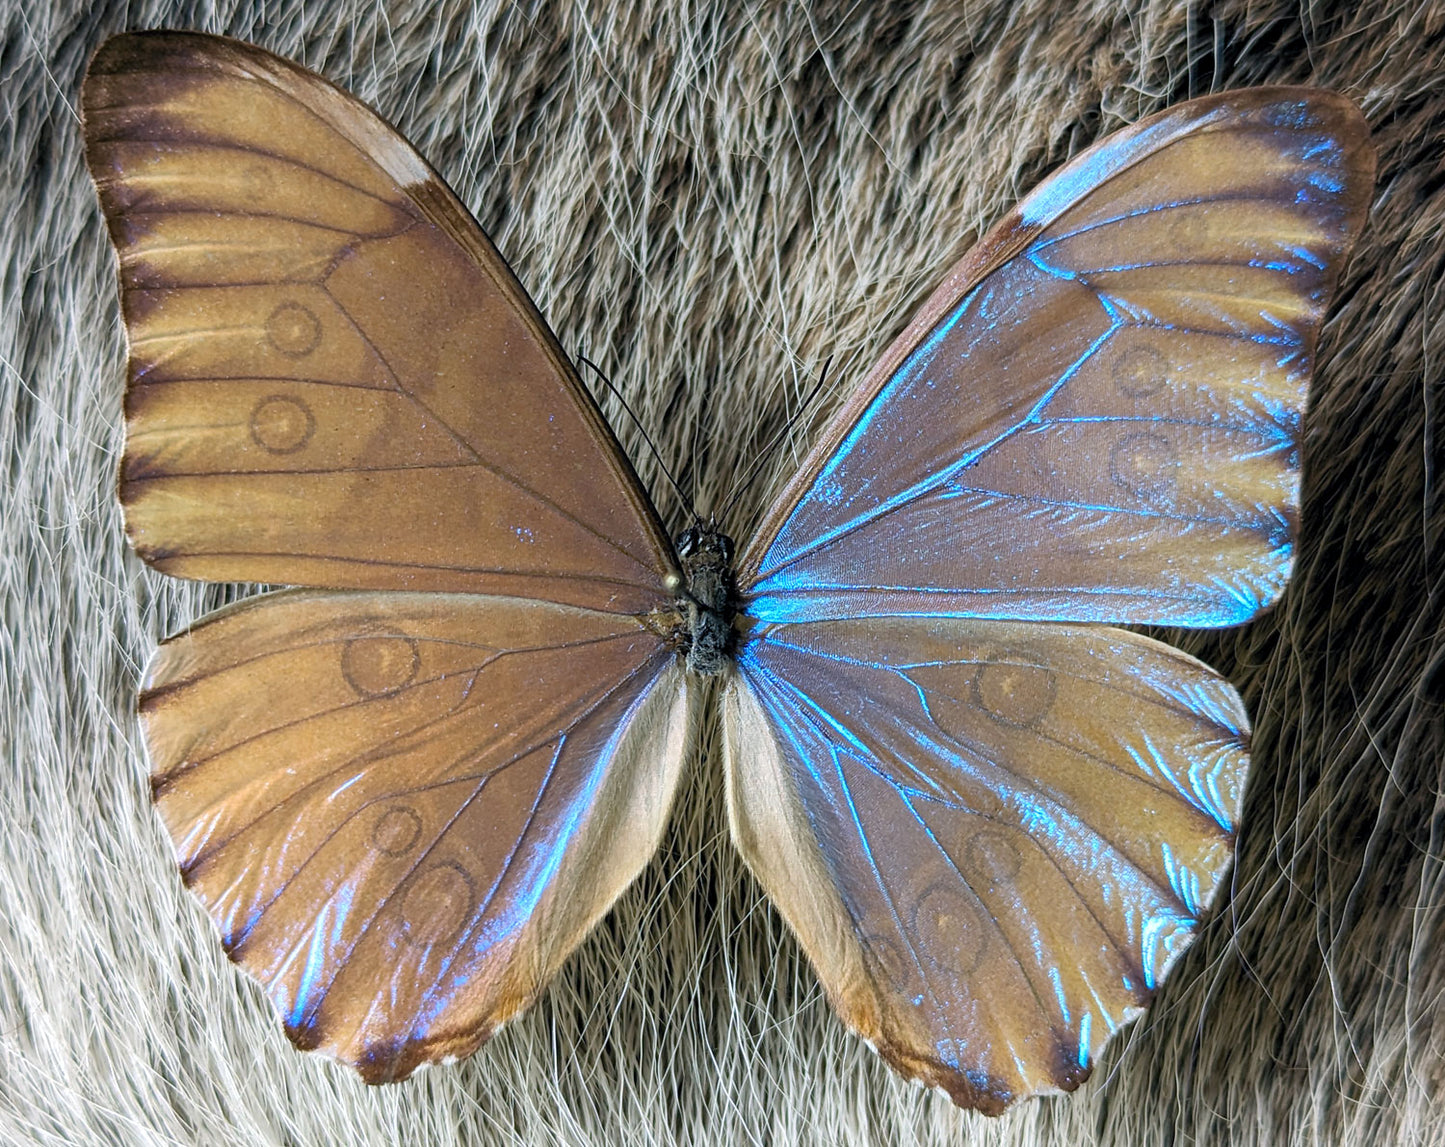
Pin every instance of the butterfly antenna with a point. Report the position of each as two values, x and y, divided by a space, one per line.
617 394
757 467
692 453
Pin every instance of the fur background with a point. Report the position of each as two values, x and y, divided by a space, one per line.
711 197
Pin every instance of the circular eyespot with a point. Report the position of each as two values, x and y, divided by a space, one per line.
293 330
281 424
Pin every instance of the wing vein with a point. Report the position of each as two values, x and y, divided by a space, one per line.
218 143
482 779
465 444
944 475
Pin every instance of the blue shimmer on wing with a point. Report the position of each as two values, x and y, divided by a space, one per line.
543 862
1215 802
827 477
792 709
252 918
1153 762
1060 515
1053 238
341 788
1326 181
1185 885
1066 187
1033 256
793 595
892 787
1057 981
897 524
1293 116
321 945
1159 935
777 556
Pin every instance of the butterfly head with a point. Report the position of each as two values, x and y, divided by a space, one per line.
707 599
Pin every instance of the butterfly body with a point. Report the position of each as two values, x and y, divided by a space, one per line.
407 789
709 603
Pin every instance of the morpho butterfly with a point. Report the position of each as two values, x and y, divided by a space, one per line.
405 793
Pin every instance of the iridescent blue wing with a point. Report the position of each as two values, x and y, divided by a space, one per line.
403 811
991 838
1097 416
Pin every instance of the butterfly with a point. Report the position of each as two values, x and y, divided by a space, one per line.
407 789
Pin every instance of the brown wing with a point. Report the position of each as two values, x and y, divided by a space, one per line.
1097 416
403 811
334 378
992 839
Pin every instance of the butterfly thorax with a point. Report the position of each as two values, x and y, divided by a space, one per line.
707 600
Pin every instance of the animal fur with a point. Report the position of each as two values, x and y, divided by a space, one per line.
711 198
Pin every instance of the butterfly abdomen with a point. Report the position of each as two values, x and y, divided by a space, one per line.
708 598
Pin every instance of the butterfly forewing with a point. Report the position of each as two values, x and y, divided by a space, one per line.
1097 417
404 810
1011 830
335 379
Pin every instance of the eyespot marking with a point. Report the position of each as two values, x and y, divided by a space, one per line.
377 665
893 965
1014 694
1144 464
950 930
991 855
396 830
293 330
1141 371
437 903
281 424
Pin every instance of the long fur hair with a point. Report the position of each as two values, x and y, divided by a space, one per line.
711 198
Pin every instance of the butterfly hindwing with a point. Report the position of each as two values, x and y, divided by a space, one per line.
404 810
335 379
1097 417
991 838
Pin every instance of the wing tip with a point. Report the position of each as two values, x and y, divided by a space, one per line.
1341 118
169 50
172 57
